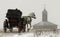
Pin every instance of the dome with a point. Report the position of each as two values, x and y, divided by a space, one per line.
45 25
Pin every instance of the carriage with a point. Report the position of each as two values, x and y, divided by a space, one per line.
13 20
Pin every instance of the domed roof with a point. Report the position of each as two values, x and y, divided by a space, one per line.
44 25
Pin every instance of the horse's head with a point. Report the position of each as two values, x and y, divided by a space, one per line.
32 15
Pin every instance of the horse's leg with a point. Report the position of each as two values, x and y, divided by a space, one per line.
30 25
27 27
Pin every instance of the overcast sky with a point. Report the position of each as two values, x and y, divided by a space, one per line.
36 6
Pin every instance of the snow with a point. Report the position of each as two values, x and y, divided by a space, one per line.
30 34
24 35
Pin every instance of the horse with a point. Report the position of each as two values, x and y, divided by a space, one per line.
28 19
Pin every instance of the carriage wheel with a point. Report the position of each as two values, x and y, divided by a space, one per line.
5 26
19 29
5 29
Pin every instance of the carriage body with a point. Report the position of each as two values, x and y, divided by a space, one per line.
13 19
13 16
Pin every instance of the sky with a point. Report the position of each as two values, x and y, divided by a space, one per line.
28 6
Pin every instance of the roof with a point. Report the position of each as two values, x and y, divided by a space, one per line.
44 25
14 13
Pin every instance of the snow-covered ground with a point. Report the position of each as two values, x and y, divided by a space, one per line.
16 34
30 34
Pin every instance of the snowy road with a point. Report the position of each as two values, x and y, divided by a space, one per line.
6 34
29 34
16 34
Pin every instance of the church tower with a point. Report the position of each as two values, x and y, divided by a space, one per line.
45 24
44 15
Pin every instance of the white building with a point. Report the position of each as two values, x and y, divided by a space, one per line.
44 24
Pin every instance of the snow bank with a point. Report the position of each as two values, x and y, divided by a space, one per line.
24 35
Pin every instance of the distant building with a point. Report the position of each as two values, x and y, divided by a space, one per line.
44 24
